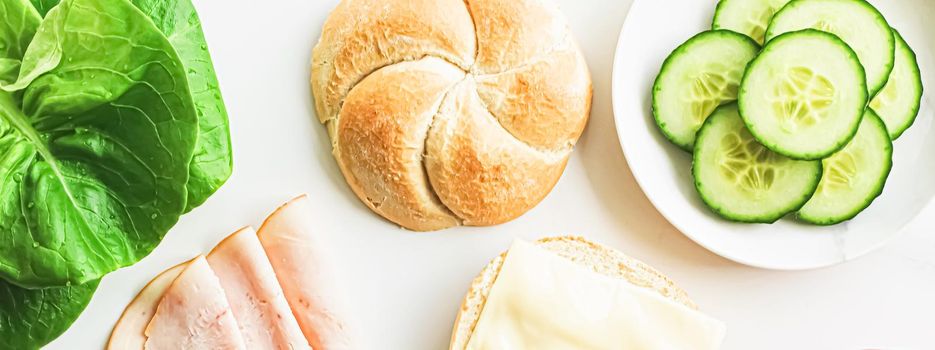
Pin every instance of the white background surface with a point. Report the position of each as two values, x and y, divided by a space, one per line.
406 287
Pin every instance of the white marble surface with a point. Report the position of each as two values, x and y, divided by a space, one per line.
406 287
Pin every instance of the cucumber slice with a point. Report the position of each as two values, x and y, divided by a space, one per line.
804 95
743 181
696 78
853 177
898 103
856 22
748 17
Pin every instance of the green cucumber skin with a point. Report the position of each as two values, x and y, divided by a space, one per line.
764 219
717 14
877 191
897 132
775 148
665 64
870 89
718 11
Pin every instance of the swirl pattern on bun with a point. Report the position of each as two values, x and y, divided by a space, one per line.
450 112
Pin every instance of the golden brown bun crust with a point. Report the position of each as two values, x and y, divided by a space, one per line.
361 36
599 258
450 112
383 126
511 33
541 103
479 171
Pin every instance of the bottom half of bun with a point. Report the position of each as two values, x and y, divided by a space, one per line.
598 258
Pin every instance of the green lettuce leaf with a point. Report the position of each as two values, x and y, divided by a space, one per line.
213 162
96 138
16 31
43 6
31 318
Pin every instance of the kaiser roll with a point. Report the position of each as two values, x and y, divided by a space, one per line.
450 112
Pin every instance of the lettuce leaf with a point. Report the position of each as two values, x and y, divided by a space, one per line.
31 318
179 22
96 137
77 180
213 163
19 26
43 6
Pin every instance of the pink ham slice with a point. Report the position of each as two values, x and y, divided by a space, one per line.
304 275
255 296
128 332
194 314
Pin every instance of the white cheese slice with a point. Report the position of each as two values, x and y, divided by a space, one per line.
543 301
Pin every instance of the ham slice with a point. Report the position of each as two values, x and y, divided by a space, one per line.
301 267
128 332
194 314
254 294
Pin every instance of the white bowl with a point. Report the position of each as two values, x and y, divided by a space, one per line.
652 30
